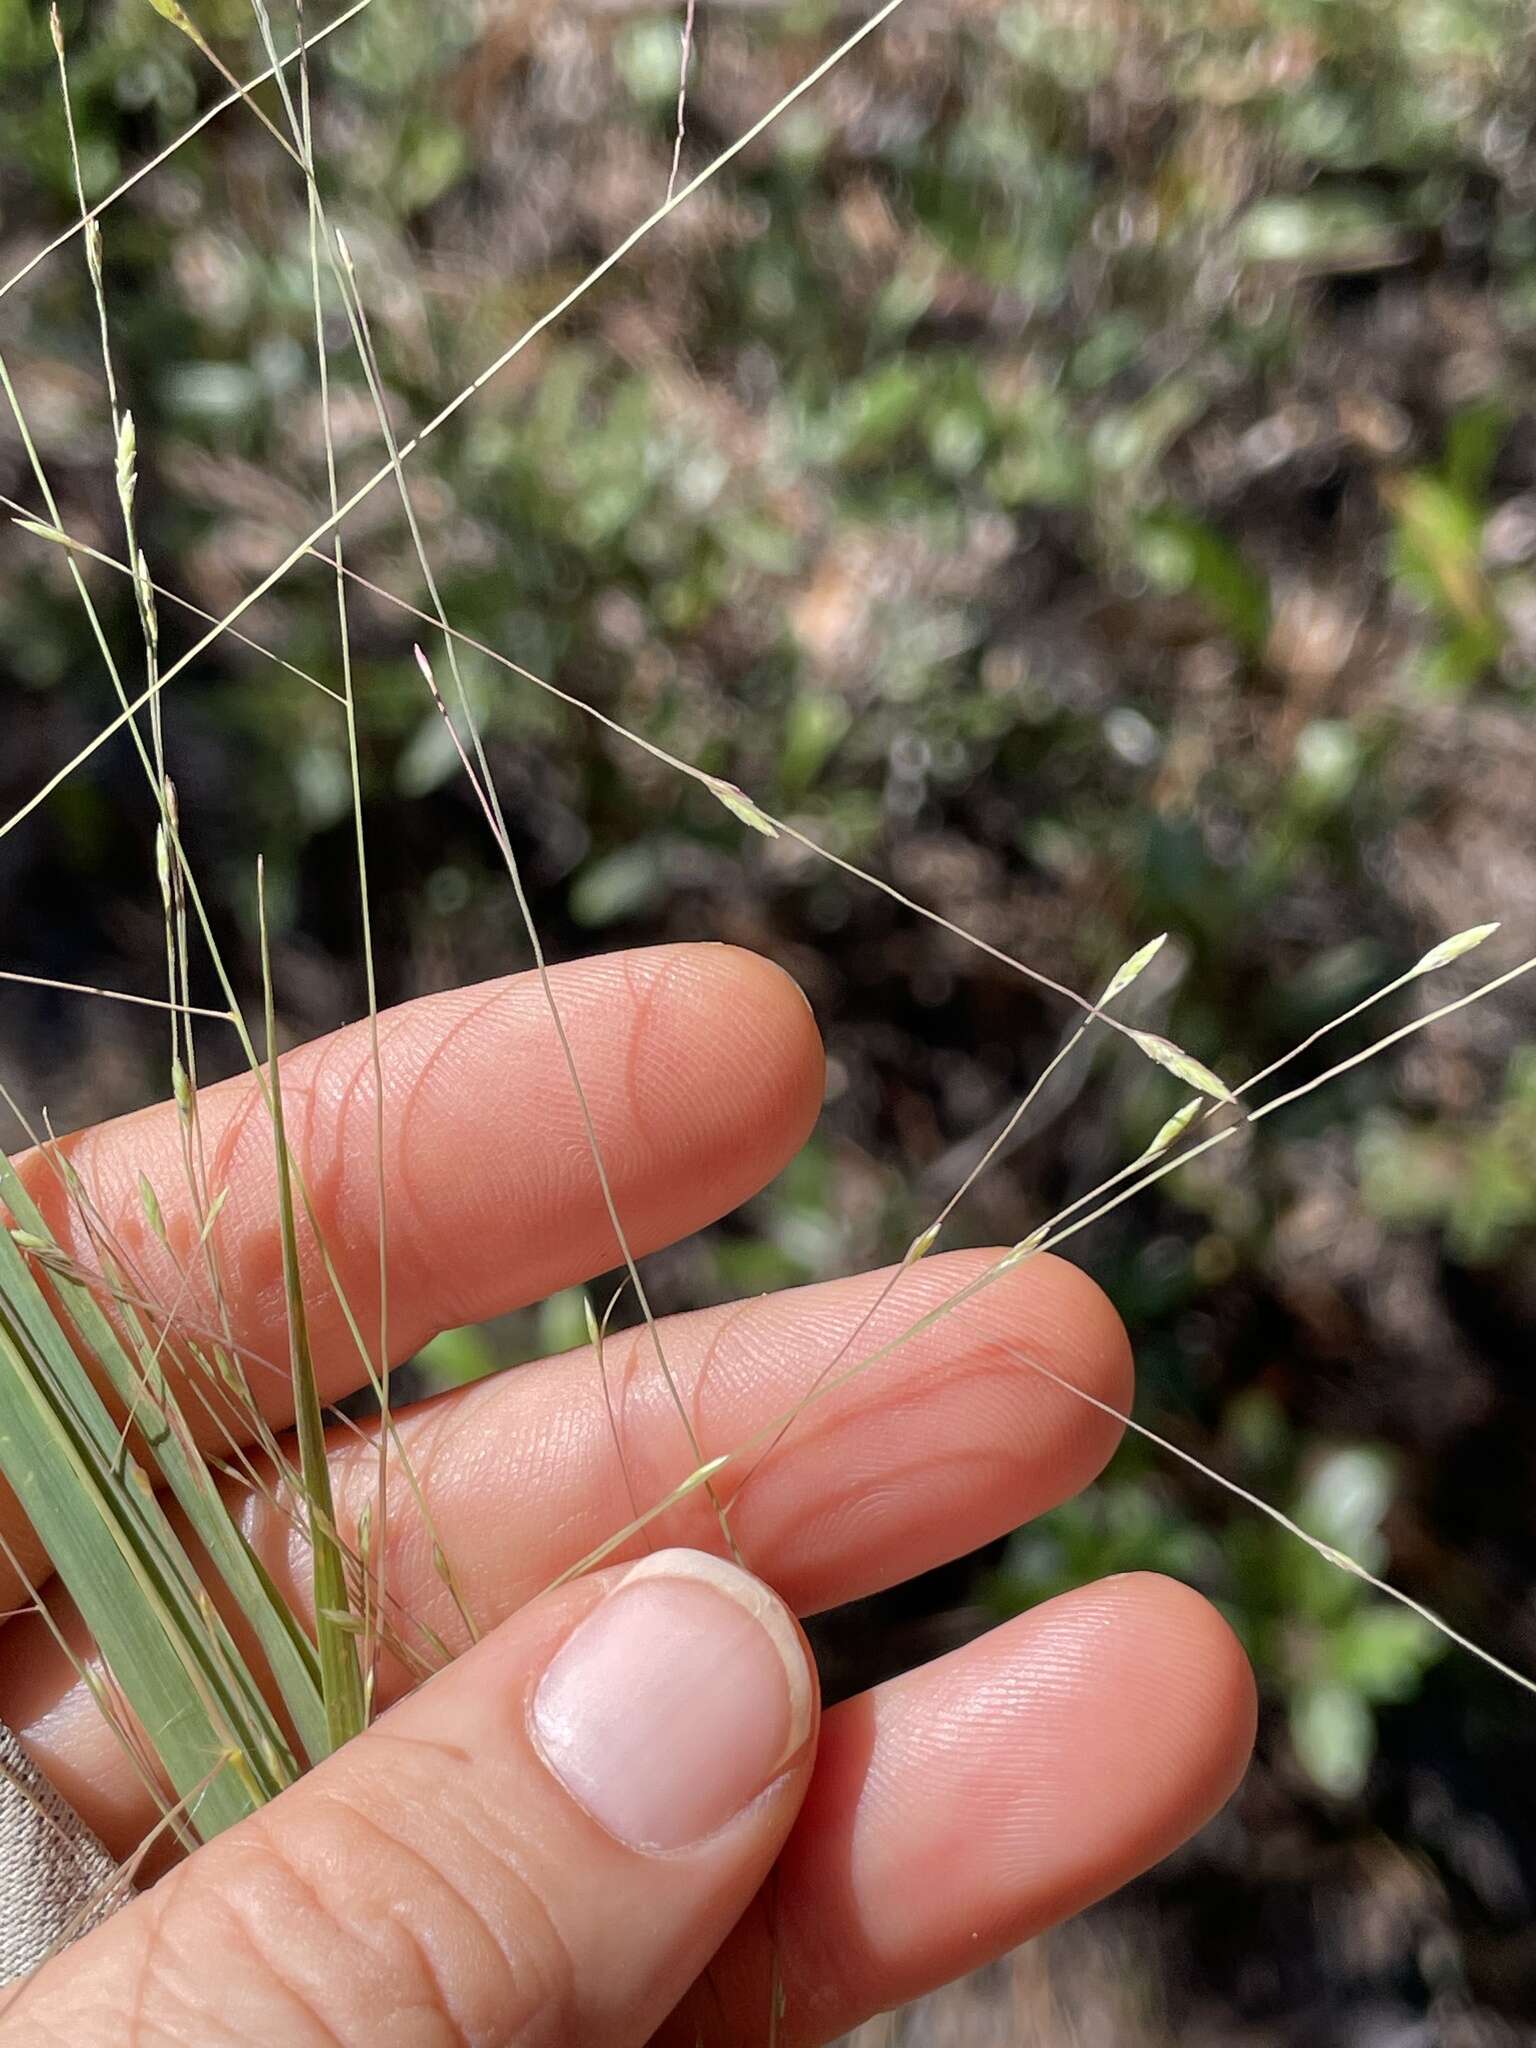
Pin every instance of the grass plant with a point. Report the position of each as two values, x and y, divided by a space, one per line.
113 1404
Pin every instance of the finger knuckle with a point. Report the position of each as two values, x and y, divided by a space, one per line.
334 1919
476 1892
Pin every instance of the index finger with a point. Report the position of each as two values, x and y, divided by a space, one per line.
702 1071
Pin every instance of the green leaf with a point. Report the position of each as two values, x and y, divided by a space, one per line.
621 884
1180 552
1334 1735
1323 231
1439 540
1384 1651
816 725
1473 439
1346 1497
455 1358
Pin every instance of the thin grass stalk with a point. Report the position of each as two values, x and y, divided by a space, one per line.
685 57
357 316
1156 1048
236 1017
233 1015
1044 1240
497 824
182 1038
215 1374
813 847
1328 1552
111 995
184 1470
924 1242
46 529
742 806
375 1592
341 1682
339 265
440 419
204 120
1220 1136
735 799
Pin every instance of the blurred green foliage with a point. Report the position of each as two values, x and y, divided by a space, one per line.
1477 1186
1333 1647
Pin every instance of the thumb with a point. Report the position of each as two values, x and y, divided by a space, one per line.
546 1843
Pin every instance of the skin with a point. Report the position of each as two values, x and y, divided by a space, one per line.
1022 1777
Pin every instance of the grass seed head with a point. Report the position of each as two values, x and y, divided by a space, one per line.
1128 970
921 1245
1183 1065
741 806
1174 1129
1453 948
127 463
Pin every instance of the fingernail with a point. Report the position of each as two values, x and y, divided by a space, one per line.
678 1700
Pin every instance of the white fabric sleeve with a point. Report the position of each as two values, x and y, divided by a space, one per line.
56 1879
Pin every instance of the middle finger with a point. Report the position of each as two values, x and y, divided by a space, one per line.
939 1447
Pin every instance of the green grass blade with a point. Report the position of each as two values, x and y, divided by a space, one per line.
290 1655
341 1680
96 1513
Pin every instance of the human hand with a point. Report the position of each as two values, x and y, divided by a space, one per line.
615 1818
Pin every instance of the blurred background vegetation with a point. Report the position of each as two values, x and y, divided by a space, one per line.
1081 464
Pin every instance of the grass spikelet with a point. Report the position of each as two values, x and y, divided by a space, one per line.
127 466
1453 948
1182 1065
741 807
1129 970
1024 1249
41 530
1169 1134
173 12
149 1202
